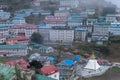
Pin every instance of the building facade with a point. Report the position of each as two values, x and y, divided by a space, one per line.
101 27
62 35
115 28
14 50
24 30
80 34
70 3
61 13
18 40
18 20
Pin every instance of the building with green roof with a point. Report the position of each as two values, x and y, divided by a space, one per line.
7 72
91 21
111 18
43 48
13 72
13 50
42 77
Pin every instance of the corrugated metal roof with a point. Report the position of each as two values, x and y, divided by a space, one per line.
42 77
15 46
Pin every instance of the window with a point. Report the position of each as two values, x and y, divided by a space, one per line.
55 75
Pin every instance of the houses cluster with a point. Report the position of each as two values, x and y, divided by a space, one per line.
69 27
64 25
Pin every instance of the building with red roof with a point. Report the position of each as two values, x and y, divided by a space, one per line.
55 20
20 62
18 40
50 71
24 30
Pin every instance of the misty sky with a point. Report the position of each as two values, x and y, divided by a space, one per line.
117 2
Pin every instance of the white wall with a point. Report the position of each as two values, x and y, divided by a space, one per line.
55 75
64 35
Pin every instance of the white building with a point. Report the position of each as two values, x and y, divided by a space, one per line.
70 3
115 28
24 30
61 13
90 11
101 27
91 21
2 39
56 23
62 35
45 49
18 20
4 31
51 71
111 18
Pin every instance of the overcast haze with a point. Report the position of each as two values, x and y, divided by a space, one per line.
117 2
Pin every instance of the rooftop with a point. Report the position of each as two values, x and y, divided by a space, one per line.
102 23
82 29
20 38
6 71
15 46
49 69
42 77
20 62
25 26
42 26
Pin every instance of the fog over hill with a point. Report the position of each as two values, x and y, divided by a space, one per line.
116 2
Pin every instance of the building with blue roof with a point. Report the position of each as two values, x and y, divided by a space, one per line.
23 12
115 28
18 20
45 12
4 15
13 50
66 69
101 19
41 12
80 34
7 24
74 20
91 21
